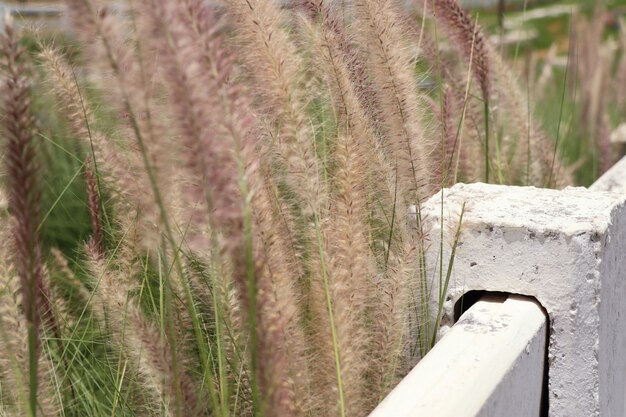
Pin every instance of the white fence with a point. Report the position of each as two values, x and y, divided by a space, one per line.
477 369
566 250
50 14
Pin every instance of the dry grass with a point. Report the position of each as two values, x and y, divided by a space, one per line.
248 173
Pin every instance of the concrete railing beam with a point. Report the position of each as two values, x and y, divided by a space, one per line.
477 369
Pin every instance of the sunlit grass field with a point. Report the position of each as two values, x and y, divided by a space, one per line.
205 209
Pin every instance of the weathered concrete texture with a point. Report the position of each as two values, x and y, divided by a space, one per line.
565 248
478 368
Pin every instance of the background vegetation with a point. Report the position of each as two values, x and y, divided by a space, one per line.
207 207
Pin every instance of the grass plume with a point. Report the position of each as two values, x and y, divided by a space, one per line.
250 174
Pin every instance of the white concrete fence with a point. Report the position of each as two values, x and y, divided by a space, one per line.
48 14
552 260
497 347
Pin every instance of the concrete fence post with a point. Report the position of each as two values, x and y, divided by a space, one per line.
567 249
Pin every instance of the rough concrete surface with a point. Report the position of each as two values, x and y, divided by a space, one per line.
565 248
496 347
